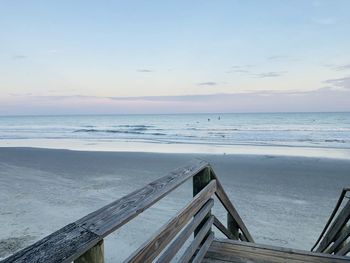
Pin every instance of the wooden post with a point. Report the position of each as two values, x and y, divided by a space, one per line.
199 182
93 255
232 226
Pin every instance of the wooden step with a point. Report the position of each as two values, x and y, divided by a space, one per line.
224 250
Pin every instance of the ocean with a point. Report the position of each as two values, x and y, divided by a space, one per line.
312 130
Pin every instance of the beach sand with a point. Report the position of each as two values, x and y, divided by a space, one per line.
284 201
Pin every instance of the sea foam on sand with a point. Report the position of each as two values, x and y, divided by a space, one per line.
284 201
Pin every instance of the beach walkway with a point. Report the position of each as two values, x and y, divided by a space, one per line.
83 240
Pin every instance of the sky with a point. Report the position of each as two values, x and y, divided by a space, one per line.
119 57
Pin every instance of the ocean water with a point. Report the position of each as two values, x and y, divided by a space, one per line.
326 130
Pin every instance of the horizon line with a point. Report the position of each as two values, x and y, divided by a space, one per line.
187 113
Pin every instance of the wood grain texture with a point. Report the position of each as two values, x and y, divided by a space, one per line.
63 245
152 248
175 246
224 250
339 240
191 250
338 223
222 196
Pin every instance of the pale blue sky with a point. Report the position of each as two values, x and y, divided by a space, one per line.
73 56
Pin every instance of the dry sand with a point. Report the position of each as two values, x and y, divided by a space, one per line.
284 201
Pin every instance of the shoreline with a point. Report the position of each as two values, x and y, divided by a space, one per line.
107 145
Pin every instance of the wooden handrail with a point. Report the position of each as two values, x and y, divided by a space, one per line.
64 245
71 241
337 245
335 210
335 231
81 238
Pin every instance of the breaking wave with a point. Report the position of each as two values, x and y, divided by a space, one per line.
134 131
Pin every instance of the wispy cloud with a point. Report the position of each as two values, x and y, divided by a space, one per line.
243 66
245 69
342 67
271 74
29 94
17 57
145 70
343 83
249 71
279 57
209 83
337 67
239 71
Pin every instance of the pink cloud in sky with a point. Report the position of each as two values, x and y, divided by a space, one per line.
325 99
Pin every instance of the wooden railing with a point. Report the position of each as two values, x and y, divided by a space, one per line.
334 237
82 241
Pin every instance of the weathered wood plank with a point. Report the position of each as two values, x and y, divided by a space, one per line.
330 219
222 196
200 181
64 245
204 248
344 250
334 229
107 219
224 256
189 252
222 228
152 248
93 255
338 243
239 251
185 234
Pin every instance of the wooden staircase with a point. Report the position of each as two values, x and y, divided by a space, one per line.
82 241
